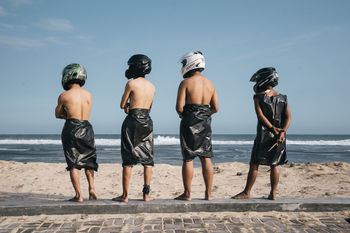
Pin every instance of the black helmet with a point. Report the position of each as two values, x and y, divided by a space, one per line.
139 66
264 77
73 73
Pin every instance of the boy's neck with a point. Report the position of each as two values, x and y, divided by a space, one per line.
196 73
74 86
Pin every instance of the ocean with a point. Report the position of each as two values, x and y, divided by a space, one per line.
227 148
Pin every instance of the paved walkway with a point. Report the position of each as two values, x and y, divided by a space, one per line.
179 223
35 207
254 215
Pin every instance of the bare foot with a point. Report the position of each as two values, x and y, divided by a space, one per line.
76 199
241 195
183 197
92 196
208 197
272 196
147 198
121 199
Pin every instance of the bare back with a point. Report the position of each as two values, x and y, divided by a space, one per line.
74 104
139 92
197 90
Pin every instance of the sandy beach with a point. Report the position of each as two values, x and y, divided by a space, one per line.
51 181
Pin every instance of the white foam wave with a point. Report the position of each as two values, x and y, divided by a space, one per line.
171 140
166 140
345 142
107 142
13 149
29 142
232 142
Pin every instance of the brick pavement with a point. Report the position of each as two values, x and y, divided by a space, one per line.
181 223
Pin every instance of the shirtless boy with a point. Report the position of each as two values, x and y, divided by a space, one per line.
74 105
201 101
137 129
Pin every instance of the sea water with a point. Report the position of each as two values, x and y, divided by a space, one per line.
227 148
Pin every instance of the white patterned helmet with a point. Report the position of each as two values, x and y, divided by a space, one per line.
191 61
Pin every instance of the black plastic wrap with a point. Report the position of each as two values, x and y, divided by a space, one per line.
137 138
195 132
265 150
79 144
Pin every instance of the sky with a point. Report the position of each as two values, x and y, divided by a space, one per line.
306 41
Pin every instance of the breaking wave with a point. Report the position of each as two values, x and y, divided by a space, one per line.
171 140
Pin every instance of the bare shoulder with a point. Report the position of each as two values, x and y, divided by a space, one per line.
183 83
130 83
208 80
151 84
63 95
209 83
147 85
86 92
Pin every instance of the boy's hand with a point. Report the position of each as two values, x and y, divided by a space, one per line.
276 131
281 137
126 108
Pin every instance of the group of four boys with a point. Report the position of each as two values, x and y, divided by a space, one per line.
196 101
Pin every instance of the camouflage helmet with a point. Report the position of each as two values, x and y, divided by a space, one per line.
73 73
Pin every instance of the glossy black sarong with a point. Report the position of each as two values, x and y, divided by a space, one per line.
265 150
137 138
79 144
195 132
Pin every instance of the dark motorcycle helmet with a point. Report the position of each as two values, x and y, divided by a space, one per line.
264 78
139 66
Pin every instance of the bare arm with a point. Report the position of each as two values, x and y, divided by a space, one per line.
214 106
124 102
288 118
181 96
150 107
59 111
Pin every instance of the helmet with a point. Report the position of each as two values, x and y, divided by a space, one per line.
73 73
192 61
139 66
264 77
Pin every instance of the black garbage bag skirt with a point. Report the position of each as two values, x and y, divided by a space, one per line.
195 132
137 138
265 150
79 144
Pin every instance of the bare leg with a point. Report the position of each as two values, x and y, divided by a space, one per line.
253 172
274 178
126 179
74 177
208 173
90 178
147 181
187 175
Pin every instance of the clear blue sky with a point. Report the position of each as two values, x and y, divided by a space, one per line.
307 42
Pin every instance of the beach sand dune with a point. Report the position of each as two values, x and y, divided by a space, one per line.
51 181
